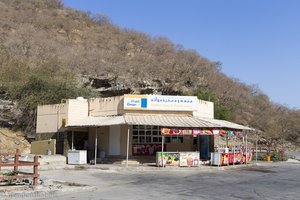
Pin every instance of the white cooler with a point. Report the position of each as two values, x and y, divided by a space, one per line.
77 157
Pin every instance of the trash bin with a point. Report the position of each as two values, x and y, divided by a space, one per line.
268 158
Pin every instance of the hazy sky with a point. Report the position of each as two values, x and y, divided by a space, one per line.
257 41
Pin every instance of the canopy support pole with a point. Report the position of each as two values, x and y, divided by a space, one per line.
227 147
234 139
96 145
246 150
127 147
162 150
219 152
256 147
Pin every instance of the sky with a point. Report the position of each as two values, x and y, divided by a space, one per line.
257 42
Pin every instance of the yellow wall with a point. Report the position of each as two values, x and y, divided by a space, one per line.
41 147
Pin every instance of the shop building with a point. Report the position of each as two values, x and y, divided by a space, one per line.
132 125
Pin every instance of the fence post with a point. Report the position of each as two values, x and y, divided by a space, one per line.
35 170
16 167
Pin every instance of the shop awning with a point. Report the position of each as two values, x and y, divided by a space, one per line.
98 121
227 124
182 121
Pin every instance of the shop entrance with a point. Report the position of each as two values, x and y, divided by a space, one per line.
206 144
60 143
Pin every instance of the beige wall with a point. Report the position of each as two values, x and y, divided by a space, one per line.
205 109
45 136
49 118
41 147
123 140
114 106
106 106
77 110
103 138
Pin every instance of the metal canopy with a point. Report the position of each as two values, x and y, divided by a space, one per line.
227 124
183 121
165 120
98 121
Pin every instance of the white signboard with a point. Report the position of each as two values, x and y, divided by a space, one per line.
189 159
160 102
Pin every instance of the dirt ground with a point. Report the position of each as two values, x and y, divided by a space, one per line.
10 141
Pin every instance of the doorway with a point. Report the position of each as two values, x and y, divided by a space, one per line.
206 146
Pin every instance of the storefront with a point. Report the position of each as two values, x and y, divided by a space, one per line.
233 152
137 125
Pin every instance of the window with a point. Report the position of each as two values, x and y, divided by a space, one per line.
146 134
151 135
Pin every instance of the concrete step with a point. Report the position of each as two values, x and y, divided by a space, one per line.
117 161
130 162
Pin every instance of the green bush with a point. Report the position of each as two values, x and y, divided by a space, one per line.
46 84
10 181
9 173
278 156
220 111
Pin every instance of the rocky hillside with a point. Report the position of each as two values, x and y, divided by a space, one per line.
43 37
10 141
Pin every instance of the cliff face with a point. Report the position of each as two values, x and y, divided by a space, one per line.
6 110
115 61
10 141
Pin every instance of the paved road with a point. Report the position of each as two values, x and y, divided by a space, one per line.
295 154
268 181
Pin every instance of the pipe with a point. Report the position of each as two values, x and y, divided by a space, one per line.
96 145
